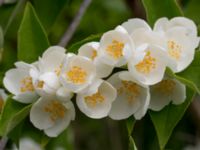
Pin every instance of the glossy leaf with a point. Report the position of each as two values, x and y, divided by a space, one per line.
13 113
165 120
32 39
161 8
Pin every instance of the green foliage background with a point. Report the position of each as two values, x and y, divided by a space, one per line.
40 23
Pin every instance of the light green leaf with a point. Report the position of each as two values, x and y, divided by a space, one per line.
132 145
32 39
161 8
165 120
13 113
74 48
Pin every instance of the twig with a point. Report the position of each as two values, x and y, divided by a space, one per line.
3 142
73 26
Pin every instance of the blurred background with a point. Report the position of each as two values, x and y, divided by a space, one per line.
101 15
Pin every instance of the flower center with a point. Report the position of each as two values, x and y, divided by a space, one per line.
27 85
40 84
56 110
166 86
147 64
94 54
115 49
58 70
94 99
77 75
130 89
174 49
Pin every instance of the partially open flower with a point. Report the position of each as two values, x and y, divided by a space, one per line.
46 74
148 66
96 101
91 50
51 115
116 47
134 24
77 73
166 91
19 82
132 97
181 40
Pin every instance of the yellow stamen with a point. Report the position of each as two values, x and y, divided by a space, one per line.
27 85
40 84
77 75
166 86
147 64
58 70
56 110
130 89
94 54
115 49
174 49
94 99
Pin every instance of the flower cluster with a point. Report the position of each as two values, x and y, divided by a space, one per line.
141 52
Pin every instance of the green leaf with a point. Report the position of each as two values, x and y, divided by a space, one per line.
132 145
74 48
1 43
13 113
65 141
50 12
130 122
165 120
161 8
32 39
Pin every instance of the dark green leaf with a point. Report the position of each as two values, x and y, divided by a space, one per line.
74 48
161 8
13 113
130 122
32 39
50 12
165 120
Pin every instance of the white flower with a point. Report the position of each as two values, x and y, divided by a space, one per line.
148 66
77 73
46 74
193 147
52 115
133 24
96 101
28 144
180 40
132 97
166 91
116 47
91 50
19 82
3 97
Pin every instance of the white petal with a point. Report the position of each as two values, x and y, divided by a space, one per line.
3 95
64 94
100 109
161 25
126 104
26 97
179 93
13 78
132 24
60 126
52 58
39 117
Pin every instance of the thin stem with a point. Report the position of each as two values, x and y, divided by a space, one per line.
3 142
73 26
